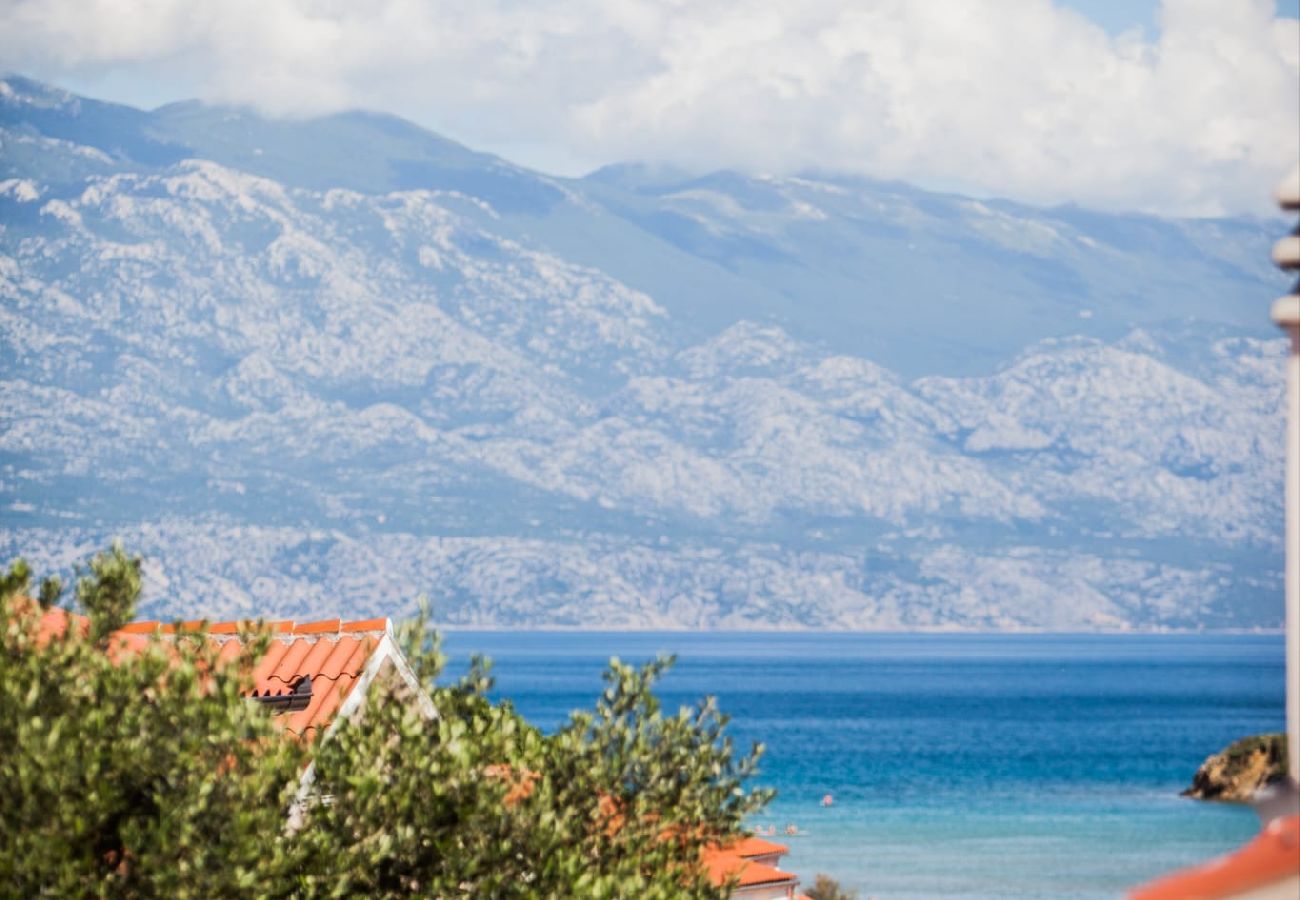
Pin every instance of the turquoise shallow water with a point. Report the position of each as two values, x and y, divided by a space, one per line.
961 765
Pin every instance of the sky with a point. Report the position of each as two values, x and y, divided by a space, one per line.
1177 107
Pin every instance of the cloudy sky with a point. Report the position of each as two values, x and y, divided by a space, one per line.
1170 106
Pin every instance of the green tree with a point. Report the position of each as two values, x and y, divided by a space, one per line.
141 771
618 803
132 771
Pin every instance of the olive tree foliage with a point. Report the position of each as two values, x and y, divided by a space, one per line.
146 773
130 774
478 803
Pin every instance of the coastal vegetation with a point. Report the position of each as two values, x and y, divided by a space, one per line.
1235 773
825 887
147 771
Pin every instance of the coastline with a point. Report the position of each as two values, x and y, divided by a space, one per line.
946 752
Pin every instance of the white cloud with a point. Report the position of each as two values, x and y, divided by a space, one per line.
1013 97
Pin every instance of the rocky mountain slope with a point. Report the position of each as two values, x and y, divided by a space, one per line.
329 365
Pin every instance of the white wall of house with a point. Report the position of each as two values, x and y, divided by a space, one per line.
766 892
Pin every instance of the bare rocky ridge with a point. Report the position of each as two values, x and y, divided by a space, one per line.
306 379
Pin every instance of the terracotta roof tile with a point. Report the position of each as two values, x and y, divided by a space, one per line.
331 652
140 628
323 705
54 623
266 665
314 660
286 670
338 662
755 846
327 653
1271 858
723 866
358 660
123 645
327 625
229 651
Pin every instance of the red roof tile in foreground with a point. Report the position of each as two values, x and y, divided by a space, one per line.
332 653
1271 859
722 866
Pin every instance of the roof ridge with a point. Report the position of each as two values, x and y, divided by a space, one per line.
283 630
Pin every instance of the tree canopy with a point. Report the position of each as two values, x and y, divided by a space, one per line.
148 772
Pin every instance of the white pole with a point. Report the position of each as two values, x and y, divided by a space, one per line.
1286 313
1292 325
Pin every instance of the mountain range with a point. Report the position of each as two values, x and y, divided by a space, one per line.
328 365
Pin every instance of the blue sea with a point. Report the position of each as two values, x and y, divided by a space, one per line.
960 765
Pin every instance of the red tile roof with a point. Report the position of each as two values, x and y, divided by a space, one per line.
53 622
1272 858
722 865
748 847
331 652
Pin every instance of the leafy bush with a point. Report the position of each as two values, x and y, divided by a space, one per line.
827 888
148 775
1272 746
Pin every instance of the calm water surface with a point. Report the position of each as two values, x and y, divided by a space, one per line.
961 765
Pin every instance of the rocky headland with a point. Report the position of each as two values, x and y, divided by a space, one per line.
1234 774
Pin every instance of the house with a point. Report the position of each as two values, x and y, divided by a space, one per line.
752 862
767 853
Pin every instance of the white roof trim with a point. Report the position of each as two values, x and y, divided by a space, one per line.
385 650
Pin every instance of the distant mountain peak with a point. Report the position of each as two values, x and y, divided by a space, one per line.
634 175
19 89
